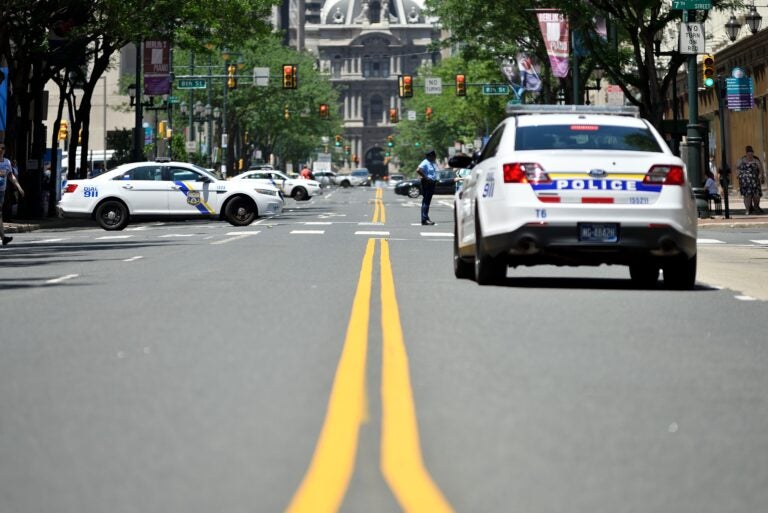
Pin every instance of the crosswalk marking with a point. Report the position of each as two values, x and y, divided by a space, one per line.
709 241
363 232
762 242
307 232
44 241
112 237
436 234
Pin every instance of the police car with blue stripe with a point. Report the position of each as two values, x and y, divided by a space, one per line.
576 185
176 190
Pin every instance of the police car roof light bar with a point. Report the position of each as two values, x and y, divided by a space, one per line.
615 110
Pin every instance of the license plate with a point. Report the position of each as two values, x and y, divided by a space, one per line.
598 232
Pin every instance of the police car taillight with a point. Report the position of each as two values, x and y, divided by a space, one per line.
525 172
71 187
665 175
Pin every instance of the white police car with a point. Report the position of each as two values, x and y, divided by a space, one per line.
296 188
166 190
576 185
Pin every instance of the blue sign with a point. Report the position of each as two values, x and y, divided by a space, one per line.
740 93
3 96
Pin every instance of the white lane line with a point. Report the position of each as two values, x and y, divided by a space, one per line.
234 236
43 241
133 259
745 298
110 237
137 229
318 223
709 241
307 232
168 235
363 232
761 242
62 278
436 234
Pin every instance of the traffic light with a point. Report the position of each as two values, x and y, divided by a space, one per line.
289 76
338 141
405 86
231 77
708 70
461 85
390 141
161 130
324 111
393 116
428 113
346 149
417 144
286 112
63 130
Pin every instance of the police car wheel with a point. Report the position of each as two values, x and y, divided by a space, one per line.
240 211
300 194
112 215
345 184
644 275
462 269
413 192
488 270
680 274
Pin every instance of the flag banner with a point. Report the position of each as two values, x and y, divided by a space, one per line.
3 96
554 29
157 68
529 75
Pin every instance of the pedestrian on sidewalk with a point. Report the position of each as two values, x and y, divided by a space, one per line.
6 175
428 172
751 175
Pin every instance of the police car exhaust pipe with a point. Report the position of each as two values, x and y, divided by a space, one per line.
526 246
668 247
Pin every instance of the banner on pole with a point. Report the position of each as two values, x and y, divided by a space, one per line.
554 29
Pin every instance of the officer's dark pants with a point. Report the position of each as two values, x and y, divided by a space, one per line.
427 190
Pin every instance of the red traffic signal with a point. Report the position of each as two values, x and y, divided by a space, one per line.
428 113
290 80
461 85
405 86
393 118
324 113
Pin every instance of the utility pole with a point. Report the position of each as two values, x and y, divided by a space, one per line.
693 133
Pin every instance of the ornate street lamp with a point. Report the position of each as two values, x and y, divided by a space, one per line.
732 28
754 20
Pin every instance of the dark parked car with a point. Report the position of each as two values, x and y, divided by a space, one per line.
446 184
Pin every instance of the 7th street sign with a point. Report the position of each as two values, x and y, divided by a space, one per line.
191 83
691 5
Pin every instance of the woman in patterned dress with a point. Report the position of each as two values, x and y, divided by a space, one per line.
750 174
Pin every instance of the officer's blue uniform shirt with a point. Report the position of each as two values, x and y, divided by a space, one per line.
429 169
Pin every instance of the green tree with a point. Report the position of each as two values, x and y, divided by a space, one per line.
628 58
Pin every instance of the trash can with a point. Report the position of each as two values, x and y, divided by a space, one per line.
702 205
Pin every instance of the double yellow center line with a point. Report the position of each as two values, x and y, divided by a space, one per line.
324 485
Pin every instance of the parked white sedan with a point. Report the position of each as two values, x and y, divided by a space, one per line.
579 185
166 190
299 189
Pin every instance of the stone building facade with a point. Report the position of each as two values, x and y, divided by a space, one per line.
363 45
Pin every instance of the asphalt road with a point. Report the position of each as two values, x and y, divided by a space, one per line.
328 360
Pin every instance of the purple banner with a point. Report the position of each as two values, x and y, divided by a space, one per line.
554 29
157 85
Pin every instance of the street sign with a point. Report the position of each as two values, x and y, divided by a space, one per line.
261 77
691 38
691 5
495 89
173 99
433 85
191 146
411 115
191 83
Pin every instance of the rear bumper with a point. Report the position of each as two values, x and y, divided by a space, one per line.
536 244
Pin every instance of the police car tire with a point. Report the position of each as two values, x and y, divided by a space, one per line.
345 184
240 211
413 192
462 269
112 215
680 274
644 275
488 270
300 194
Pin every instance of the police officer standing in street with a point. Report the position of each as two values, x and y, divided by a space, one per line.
428 172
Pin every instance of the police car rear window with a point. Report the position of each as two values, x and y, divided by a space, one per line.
585 136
